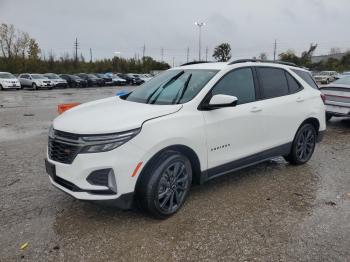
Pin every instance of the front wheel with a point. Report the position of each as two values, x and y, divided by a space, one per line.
164 186
34 86
303 145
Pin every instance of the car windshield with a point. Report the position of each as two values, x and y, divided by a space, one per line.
7 76
343 81
172 87
37 76
74 77
92 76
52 76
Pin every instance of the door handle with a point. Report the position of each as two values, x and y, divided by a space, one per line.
255 109
300 99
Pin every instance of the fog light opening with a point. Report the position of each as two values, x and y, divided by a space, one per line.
112 184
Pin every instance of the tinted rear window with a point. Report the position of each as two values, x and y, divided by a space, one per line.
294 86
273 81
306 76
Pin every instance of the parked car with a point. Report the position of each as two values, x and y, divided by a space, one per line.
130 80
326 77
8 81
100 80
143 77
107 81
116 80
136 79
91 79
189 124
344 74
74 81
35 81
337 98
56 80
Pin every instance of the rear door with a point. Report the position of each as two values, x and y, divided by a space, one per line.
285 105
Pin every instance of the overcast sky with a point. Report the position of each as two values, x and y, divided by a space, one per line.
250 26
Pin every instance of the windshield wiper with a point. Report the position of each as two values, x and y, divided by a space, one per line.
163 86
182 90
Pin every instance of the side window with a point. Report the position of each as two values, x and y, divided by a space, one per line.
273 82
306 76
239 83
294 86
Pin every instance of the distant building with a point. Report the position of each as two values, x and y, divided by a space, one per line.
317 59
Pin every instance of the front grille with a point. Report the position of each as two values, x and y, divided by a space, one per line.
62 152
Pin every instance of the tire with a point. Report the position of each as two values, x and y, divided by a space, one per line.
164 185
328 116
303 145
1 88
34 86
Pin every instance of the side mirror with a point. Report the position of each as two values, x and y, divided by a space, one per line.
219 101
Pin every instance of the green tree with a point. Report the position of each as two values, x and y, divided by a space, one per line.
222 53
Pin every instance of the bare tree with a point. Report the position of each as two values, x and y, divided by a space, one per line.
263 56
7 36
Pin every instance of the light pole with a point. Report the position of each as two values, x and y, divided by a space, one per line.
200 24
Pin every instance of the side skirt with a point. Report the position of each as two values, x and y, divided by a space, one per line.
245 162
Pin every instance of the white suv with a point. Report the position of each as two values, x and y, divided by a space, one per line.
8 80
188 124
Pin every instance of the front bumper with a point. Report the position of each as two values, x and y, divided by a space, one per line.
72 178
60 85
9 86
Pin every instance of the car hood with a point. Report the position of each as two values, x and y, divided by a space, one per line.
110 115
9 79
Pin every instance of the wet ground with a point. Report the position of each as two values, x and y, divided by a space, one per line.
271 212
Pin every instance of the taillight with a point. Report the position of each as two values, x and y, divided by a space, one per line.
323 97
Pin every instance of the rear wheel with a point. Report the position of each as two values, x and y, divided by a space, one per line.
303 145
165 184
328 116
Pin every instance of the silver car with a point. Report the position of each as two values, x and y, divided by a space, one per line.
337 98
35 81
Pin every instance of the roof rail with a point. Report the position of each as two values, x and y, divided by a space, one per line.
262 61
196 62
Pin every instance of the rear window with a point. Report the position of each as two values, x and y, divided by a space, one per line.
306 76
274 82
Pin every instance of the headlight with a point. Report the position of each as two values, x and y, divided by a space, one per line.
51 132
103 143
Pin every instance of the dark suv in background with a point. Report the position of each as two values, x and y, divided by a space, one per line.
74 81
91 79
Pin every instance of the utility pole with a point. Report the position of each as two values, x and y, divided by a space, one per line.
76 45
143 51
200 25
162 54
274 51
188 54
206 54
90 55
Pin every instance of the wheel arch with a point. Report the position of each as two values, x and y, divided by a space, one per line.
185 150
313 121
